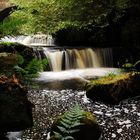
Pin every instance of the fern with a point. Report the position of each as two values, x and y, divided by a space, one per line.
69 123
111 75
136 63
36 66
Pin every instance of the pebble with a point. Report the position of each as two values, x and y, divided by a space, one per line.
119 122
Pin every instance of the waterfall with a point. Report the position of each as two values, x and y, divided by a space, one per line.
42 39
55 58
82 58
105 56
38 39
64 59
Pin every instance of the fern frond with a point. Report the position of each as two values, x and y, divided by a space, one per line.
62 129
76 124
58 135
73 131
66 121
70 123
68 138
66 125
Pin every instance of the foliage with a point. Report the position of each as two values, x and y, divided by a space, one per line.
32 68
49 16
136 63
110 79
7 43
12 63
131 65
111 74
11 25
44 63
127 65
69 123
20 60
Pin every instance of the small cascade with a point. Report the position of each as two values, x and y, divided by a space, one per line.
83 58
55 58
32 40
64 59
105 56
42 39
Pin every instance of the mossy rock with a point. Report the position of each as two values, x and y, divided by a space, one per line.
113 89
26 52
76 124
8 59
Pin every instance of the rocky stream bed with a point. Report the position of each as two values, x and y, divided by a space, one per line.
118 122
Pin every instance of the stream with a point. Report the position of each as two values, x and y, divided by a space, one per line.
59 90
118 122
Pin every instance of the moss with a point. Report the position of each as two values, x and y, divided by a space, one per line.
7 43
114 89
10 45
111 79
90 117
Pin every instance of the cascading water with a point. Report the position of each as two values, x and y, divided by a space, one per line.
57 101
83 58
55 58
66 59
105 55
32 40
41 39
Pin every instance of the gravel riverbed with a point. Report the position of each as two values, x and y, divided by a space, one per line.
119 122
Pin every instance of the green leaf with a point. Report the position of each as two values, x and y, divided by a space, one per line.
57 134
68 138
62 129
73 131
76 124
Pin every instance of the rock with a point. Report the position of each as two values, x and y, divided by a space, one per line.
7 61
26 52
16 110
57 84
75 124
113 89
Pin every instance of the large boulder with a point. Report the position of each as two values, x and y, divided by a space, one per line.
15 109
113 89
75 124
